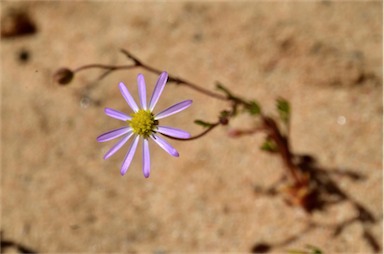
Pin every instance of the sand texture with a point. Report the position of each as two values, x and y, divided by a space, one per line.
59 195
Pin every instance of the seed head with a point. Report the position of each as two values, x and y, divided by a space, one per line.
63 76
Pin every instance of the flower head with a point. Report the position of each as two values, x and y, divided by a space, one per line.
143 124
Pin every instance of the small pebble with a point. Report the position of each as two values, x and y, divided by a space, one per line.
341 120
85 102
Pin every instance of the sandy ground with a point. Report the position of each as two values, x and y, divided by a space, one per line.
59 195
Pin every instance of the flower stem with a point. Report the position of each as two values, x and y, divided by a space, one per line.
104 66
171 78
196 136
269 124
283 148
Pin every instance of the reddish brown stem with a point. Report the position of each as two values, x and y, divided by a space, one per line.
174 79
103 66
283 148
269 124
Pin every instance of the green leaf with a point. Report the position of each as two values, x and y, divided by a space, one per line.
253 108
269 146
224 113
297 252
284 109
203 123
309 249
314 249
220 87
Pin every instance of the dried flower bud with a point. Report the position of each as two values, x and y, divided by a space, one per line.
63 76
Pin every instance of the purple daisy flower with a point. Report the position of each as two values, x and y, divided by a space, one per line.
142 123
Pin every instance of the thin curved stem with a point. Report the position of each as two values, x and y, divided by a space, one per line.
283 148
137 63
174 79
104 66
194 137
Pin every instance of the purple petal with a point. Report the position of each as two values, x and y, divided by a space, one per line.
128 97
117 114
173 132
158 90
129 156
142 91
174 109
117 146
146 159
165 145
113 134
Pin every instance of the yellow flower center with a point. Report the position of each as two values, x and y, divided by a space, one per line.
143 123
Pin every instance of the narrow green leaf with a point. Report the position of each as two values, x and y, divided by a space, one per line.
203 123
269 146
254 108
308 250
314 249
284 109
224 113
297 252
220 87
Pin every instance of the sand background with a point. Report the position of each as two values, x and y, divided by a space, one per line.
59 195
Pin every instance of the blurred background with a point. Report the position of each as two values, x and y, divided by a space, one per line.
59 195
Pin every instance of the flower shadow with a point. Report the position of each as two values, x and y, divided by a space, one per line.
325 192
